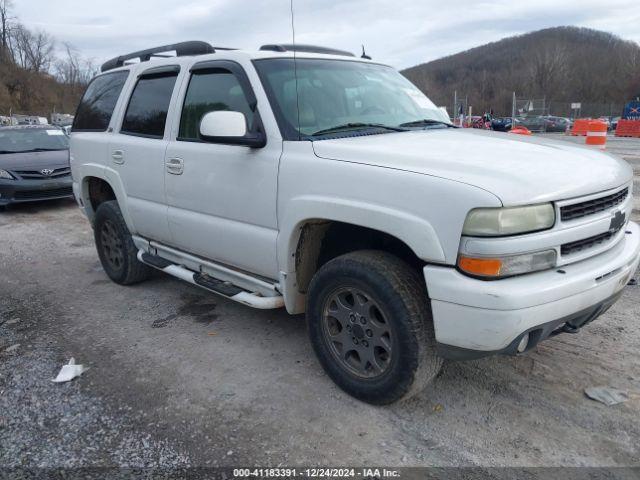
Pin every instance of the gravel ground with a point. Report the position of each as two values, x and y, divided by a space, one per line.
178 377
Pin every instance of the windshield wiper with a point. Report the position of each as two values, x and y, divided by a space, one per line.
355 126
424 122
7 151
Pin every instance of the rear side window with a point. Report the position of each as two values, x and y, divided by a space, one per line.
97 104
147 111
212 90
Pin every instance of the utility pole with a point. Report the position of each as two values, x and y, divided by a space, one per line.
455 106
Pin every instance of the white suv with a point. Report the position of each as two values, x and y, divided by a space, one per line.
307 178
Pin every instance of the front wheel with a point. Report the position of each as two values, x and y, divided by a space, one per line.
370 326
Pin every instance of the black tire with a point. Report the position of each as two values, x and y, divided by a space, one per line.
116 250
395 297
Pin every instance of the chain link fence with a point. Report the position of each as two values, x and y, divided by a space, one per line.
526 107
585 109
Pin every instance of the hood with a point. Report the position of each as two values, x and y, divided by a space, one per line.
34 160
517 169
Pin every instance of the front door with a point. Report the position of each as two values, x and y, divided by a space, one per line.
222 198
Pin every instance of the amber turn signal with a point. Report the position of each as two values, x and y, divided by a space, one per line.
483 267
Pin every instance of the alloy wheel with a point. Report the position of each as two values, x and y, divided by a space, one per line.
357 332
112 245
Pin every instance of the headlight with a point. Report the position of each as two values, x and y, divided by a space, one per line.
496 222
507 265
6 175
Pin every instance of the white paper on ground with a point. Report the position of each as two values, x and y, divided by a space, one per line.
607 395
69 372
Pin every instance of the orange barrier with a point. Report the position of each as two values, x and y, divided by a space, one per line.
597 134
580 126
520 131
628 128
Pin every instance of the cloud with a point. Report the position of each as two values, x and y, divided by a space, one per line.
401 33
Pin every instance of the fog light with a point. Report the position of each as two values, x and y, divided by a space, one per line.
522 346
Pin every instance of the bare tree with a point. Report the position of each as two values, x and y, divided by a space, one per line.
5 28
72 69
33 51
548 66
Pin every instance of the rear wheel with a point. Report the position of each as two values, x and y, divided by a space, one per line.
370 326
116 249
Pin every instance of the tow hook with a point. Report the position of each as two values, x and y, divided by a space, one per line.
567 328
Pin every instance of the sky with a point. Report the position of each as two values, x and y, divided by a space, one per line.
401 33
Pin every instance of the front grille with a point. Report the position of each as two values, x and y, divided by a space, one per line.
35 194
587 243
37 174
579 210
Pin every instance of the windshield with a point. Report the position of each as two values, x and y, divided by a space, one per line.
338 95
32 140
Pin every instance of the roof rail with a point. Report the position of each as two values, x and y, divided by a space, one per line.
182 49
306 49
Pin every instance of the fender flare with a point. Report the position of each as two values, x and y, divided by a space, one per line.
417 233
107 175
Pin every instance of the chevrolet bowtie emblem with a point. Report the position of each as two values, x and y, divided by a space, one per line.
617 221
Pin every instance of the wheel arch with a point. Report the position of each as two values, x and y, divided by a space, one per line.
96 186
305 244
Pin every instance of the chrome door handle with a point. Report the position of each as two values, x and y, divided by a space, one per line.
118 157
175 166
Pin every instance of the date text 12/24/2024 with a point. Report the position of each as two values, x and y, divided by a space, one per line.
364 473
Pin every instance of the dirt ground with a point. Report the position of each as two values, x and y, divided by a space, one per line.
179 377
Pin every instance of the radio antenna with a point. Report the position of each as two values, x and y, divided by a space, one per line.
295 67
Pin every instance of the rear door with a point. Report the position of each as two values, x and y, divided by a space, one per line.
222 198
137 150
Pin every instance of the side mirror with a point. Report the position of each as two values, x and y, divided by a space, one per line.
228 127
223 124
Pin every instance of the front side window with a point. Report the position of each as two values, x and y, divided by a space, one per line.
98 102
319 95
212 90
27 139
148 107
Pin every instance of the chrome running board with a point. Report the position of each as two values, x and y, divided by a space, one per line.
211 284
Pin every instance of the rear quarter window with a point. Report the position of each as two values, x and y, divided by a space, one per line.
97 105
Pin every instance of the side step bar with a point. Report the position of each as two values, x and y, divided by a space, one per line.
211 284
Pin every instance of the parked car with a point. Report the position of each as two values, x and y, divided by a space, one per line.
614 123
501 124
477 121
34 164
307 178
534 123
29 120
556 124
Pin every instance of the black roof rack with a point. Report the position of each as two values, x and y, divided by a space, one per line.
182 49
305 48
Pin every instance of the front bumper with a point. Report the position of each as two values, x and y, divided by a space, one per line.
475 318
19 191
